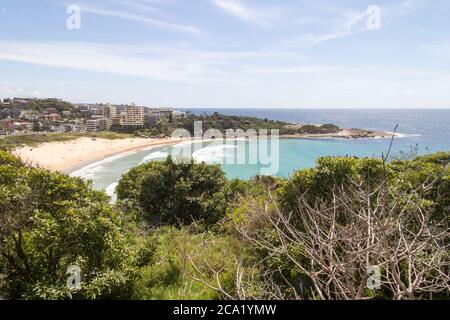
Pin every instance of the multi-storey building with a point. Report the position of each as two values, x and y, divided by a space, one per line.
109 111
97 124
134 116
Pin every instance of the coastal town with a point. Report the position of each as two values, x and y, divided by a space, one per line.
30 115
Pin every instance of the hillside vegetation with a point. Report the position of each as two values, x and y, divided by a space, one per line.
181 231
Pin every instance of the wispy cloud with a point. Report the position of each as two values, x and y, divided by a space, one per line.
136 11
239 10
141 19
346 26
295 70
163 64
141 5
116 59
352 21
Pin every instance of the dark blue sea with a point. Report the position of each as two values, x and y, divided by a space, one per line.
428 128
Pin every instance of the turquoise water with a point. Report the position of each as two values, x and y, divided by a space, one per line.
428 129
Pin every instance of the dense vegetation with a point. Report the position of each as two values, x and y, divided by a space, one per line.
41 105
50 221
181 231
171 193
224 122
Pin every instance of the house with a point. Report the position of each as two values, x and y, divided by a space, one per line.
22 101
7 124
53 117
5 113
29 115
52 110
22 126
178 114
15 113
58 127
154 115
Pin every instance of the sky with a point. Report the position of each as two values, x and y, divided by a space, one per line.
228 53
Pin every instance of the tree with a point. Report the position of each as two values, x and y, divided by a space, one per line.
175 193
324 232
49 221
335 244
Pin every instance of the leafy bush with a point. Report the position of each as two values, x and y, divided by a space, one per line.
50 221
175 193
419 184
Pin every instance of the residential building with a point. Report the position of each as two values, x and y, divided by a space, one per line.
7 124
178 114
54 117
58 127
15 113
134 116
160 113
29 115
154 115
22 101
22 126
5 113
52 110
97 124
109 111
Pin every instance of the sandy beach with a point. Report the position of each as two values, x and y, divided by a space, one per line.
71 155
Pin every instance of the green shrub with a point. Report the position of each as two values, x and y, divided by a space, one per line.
50 221
175 193
169 275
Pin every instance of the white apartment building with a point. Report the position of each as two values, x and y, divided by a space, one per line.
134 116
97 124
109 111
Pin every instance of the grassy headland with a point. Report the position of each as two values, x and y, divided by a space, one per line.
16 141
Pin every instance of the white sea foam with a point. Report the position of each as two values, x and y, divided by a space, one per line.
111 190
153 156
213 154
407 135
90 170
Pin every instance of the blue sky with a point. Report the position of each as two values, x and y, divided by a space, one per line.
228 53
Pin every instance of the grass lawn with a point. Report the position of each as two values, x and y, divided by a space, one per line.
12 142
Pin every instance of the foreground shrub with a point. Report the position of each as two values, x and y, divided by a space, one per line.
318 235
49 221
184 262
175 193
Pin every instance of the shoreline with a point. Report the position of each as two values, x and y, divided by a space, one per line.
71 156
81 165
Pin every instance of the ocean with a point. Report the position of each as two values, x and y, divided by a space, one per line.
420 130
